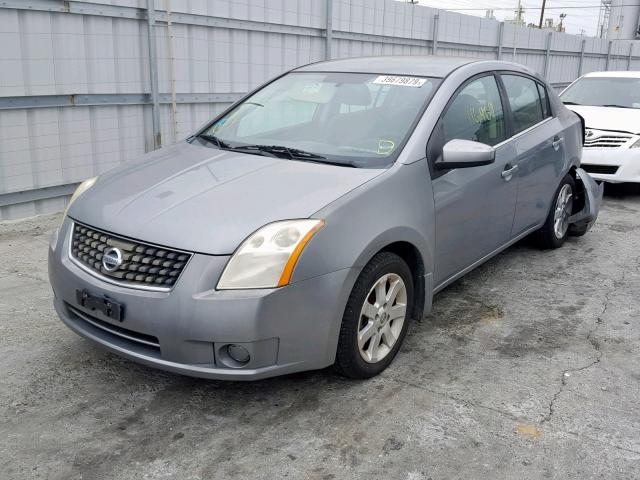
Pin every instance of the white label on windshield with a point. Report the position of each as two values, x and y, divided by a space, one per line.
400 81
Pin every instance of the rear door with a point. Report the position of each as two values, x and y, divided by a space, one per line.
474 206
539 143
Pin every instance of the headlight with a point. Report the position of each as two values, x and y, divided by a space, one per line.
266 259
83 187
636 144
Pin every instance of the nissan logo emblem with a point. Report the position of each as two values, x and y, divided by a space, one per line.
111 259
590 133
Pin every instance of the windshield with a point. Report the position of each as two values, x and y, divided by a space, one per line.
604 92
353 119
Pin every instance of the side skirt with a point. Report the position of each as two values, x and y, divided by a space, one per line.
456 276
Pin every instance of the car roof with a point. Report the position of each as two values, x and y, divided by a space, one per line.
623 74
424 66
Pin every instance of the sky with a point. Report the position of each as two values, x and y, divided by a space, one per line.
577 19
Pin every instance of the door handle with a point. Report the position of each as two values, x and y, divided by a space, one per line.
508 172
557 141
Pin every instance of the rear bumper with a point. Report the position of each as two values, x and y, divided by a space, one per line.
623 163
187 330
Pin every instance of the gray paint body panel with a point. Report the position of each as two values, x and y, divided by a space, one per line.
190 197
208 201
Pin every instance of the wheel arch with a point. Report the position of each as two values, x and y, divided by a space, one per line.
412 257
579 195
414 249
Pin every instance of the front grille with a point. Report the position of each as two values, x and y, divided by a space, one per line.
603 169
607 141
143 265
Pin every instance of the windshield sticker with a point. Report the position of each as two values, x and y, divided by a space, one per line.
400 81
385 147
312 88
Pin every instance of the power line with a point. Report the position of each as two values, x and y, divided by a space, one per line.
568 7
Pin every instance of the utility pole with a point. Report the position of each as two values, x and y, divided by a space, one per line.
544 2
519 14
153 74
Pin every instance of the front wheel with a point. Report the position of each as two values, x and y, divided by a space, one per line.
376 317
555 230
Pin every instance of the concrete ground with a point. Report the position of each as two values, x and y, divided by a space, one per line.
529 367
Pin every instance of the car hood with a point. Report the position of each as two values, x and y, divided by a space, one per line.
609 118
207 200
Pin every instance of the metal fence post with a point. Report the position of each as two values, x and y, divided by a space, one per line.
153 74
500 39
630 56
584 44
436 18
547 56
606 65
172 72
329 31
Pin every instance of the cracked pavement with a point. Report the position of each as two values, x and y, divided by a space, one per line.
526 368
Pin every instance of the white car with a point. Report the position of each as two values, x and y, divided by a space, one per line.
609 103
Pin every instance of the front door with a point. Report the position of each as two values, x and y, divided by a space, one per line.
474 207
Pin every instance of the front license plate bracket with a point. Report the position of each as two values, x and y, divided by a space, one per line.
102 303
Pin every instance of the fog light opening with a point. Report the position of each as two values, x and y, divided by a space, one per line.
238 353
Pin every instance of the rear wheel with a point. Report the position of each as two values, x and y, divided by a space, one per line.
376 317
555 230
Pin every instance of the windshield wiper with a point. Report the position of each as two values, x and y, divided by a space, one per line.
571 103
330 162
214 139
615 106
274 151
222 145
292 153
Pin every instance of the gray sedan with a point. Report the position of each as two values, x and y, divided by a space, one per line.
307 224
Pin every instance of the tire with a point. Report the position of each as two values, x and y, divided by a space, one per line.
578 230
377 324
549 236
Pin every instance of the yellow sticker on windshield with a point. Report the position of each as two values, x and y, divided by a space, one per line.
385 147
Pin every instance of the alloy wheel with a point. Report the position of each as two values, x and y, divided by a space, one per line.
564 207
381 318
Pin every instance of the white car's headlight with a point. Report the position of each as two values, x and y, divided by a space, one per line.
83 187
266 259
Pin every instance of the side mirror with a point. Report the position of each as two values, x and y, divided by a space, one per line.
465 153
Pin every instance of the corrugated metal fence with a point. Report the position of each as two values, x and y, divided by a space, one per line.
75 84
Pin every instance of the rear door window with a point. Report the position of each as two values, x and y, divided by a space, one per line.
524 100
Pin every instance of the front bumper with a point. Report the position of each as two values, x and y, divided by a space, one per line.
623 163
187 329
